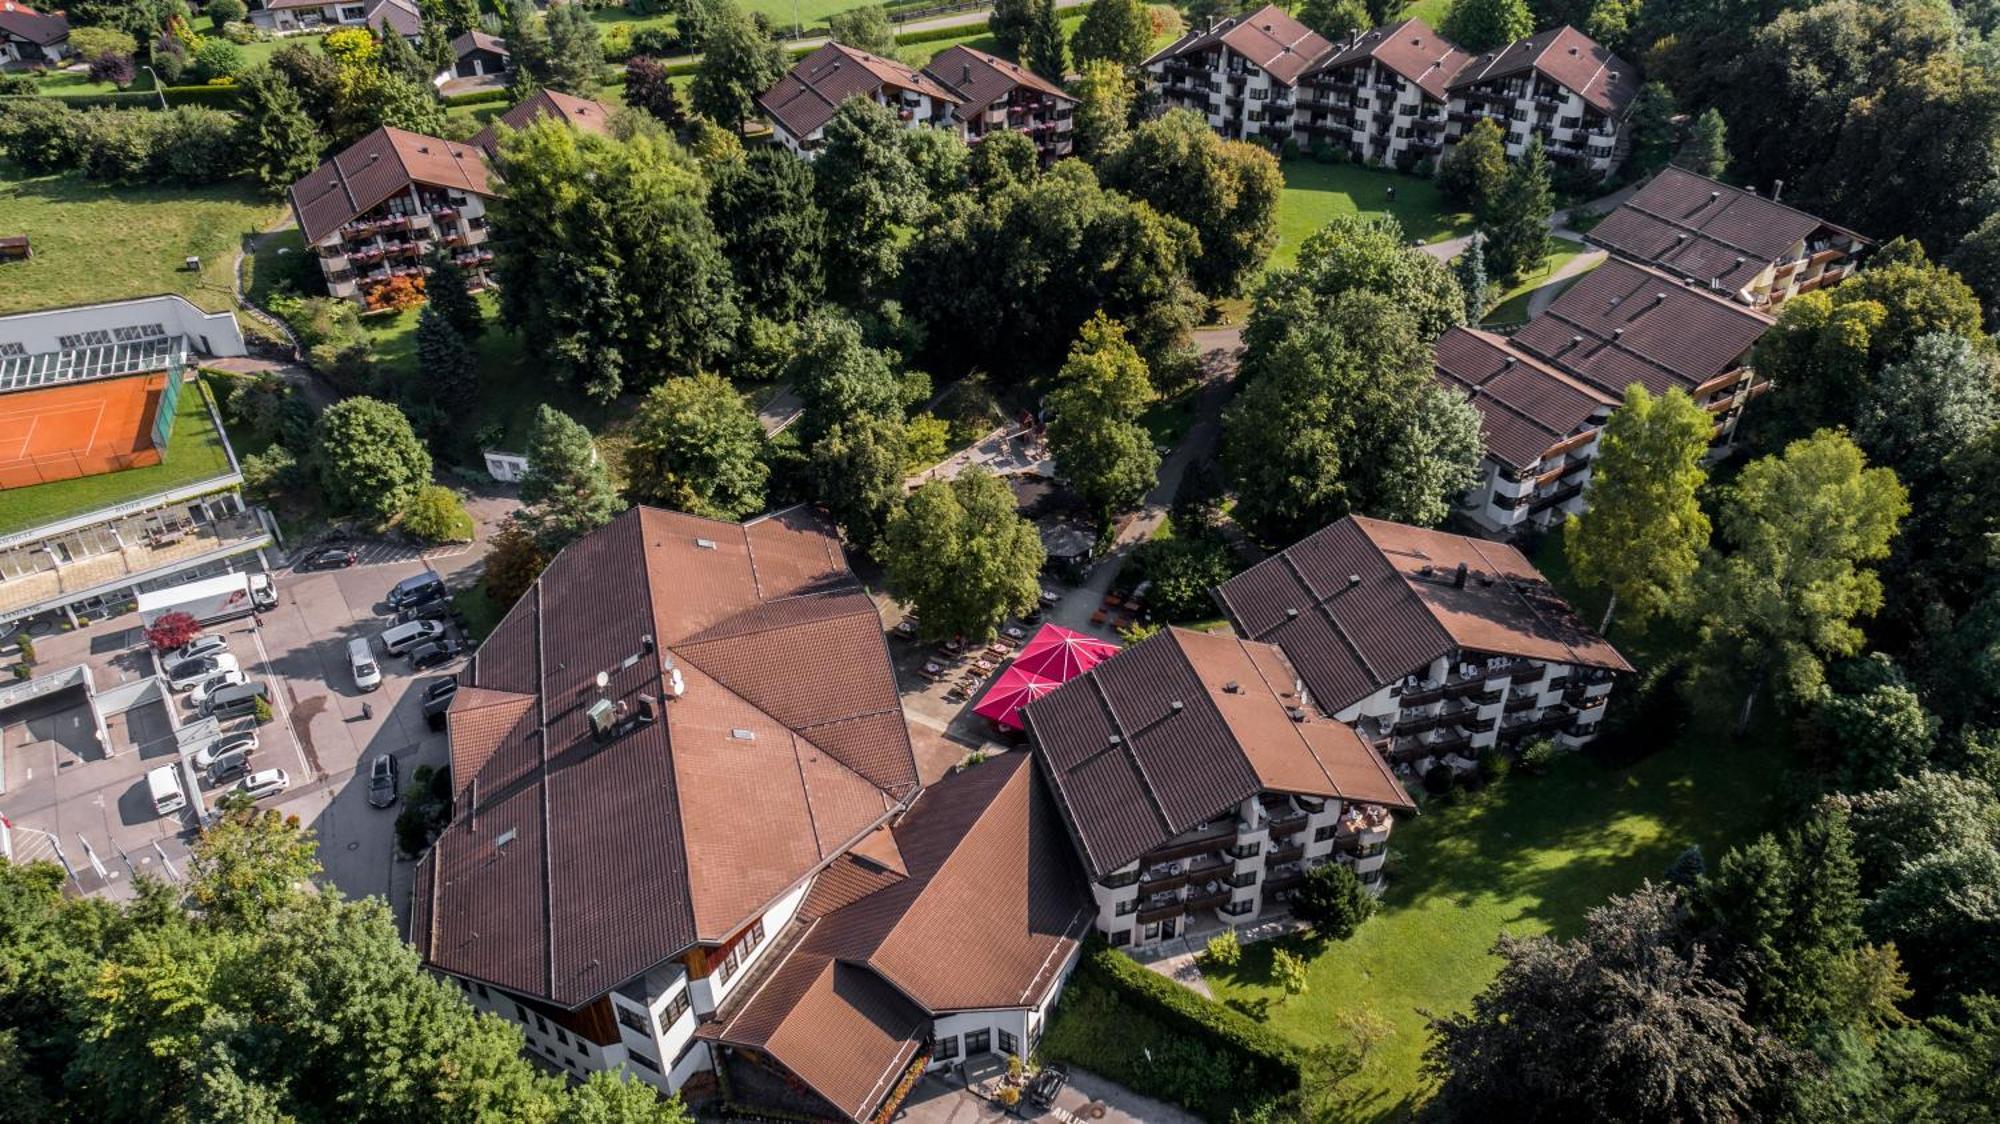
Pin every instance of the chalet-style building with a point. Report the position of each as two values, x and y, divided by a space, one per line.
689 832
1382 97
805 98
29 38
581 114
1242 73
1433 646
1556 84
997 95
1733 242
375 209
399 16
476 54
1544 392
1200 786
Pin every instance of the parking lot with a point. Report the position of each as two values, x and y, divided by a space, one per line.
72 787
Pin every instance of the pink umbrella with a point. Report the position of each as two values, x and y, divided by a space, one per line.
1061 655
1012 691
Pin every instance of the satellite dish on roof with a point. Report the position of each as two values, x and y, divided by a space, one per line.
603 680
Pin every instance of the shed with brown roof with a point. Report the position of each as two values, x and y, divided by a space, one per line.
1567 57
1362 603
1182 728
747 733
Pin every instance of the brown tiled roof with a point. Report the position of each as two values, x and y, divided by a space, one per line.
1362 603
547 105
378 166
479 41
1696 227
1566 57
1623 323
1181 728
1267 37
573 866
1411 49
807 95
401 16
991 911
17 21
978 79
1524 405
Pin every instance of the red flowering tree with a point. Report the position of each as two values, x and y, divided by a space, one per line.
172 630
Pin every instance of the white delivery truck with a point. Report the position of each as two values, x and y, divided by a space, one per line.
210 600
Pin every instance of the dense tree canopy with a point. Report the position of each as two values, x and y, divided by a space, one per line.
838 377
1516 217
1104 110
956 551
868 188
1644 532
370 461
610 270
1116 31
1226 190
866 27
1010 282
1350 253
772 231
696 446
738 62
567 490
1482 25
856 468
1099 445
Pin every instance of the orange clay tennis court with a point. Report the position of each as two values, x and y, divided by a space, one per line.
62 432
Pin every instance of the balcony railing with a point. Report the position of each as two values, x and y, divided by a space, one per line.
1200 845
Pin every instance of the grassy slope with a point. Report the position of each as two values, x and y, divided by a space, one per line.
1315 193
96 242
1513 303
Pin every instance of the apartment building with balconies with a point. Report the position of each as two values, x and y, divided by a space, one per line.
149 494
1242 73
1544 392
1729 240
1431 646
1558 85
998 95
807 96
373 211
1383 97
1200 785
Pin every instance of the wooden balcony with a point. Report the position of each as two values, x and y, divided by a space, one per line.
1201 845
1161 913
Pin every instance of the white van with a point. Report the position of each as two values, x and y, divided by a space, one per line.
401 638
164 785
367 674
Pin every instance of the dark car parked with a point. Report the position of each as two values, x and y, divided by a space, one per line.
434 653
437 700
383 782
411 590
329 558
426 611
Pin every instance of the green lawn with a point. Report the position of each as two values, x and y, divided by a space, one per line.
1513 303
1529 857
976 37
194 453
1315 193
97 242
1430 11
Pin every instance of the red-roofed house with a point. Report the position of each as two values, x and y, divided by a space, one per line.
1383 96
998 95
1559 85
1242 73
31 38
805 98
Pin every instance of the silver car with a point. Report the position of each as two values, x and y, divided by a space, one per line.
264 782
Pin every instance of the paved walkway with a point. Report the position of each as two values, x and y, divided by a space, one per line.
939 1099
1540 299
1558 225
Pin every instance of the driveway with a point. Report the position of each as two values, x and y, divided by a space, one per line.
938 1099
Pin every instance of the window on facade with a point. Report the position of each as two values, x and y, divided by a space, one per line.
947 1049
1246 878
676 1007
1128 906
520 1014
637 1020
644 1061
1247 850
562 1036
1153 931
1122 878
541 1024
1323 834
464 986
978 1042
1009 1044
1121 938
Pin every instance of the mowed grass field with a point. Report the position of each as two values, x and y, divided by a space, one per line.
1316 193
98 242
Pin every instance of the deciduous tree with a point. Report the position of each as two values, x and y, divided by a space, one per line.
1226 190
1095 435
513 562
370 461
649 87
1484 25
864 181
1115 31
1004 158
738 62
171 630
1333 901
838 377
696 447
956 550
1289 972
866 27
1355 253
1008 23
567 490
1516 220
1103 111
1707 147
439 515
1643 535
772 230
1474 172
856 468
1337 20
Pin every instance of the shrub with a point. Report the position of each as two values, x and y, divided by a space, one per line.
1494 764
437 514
224 11
1008 1095
1333 901
398 293
1439 779
192 144
114 68
18 82
40 133
172 630
262 710
216 58
93 43
1223 951
927 440
1183 570
114 145
242 34
26 645
1538 755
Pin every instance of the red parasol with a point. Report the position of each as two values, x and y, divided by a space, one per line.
1058 654
1012 691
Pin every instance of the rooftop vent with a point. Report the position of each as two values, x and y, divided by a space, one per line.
1117 740
1507 361
1576 341
1572 50
1298 714
1659 298
1232 687
1353 580
705 544
504 838
743 735
1291 614
1617 332
1175 706
1715 195
1740 261
602 717
1458 579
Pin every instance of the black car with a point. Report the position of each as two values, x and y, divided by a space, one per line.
421 587
437 700
329 558
432 654
383 784
438 610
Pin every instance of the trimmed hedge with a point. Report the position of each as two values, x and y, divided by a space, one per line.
1126 1022
214 97
476 97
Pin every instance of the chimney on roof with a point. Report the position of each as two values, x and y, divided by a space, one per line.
1353 580
1777 186
1572 50
1175 706
1714 195
1297 714
1458 580
1576 341
1617 332
1291 614
965 73
1506 361
1659 298
1232 688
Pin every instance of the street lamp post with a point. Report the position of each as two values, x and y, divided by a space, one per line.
158 87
